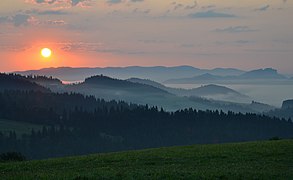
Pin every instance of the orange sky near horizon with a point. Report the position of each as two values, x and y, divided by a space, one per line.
102 33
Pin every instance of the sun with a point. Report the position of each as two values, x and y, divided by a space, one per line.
46 52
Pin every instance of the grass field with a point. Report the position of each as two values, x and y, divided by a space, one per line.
19 127
252 160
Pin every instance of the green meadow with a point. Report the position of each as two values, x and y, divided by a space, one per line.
251 160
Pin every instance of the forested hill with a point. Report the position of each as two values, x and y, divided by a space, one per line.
76 124
18 82
108 88
133 87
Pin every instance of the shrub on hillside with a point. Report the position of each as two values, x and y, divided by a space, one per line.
11 156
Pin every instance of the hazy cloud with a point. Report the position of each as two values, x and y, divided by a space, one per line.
14 47
263 8
187 45
110 2
76 2
136 0
26 19
21 19
178 6
3 19
96 47
151 41
233 43
235 29
211 14
146 11
81 3
45 1
80 46
208 7
114 1
269 50
54 22
191 6
244 42
48 12
18 19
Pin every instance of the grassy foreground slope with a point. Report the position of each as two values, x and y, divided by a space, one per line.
252 160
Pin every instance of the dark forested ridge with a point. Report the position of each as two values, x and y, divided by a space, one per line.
205 90
143 92
76 124
108 88
18 82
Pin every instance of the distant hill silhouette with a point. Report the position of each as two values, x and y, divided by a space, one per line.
286 111
254 76
267 73
17 82
101 80
260 106
226 71
105 81
153 94
150 92
215 90
209 91
115 89
287 104
157 73
148 82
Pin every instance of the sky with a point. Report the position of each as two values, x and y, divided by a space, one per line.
248 34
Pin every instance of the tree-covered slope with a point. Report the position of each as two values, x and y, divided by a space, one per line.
76 125
18 82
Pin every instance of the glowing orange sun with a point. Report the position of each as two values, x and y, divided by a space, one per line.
46 52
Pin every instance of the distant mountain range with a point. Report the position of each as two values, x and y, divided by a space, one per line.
141 91
108 88
267 75
168 75
210 91
157 73
116 89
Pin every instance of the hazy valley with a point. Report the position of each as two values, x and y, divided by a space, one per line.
144 89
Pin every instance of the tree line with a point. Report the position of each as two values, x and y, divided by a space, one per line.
74 124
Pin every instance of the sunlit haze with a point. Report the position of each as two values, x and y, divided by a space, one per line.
146 89
46 52
98 33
